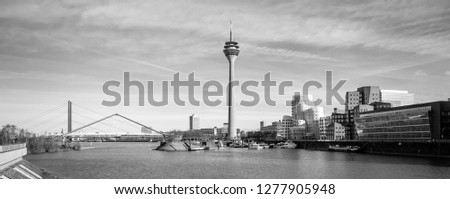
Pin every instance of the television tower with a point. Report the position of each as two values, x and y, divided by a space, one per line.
231 51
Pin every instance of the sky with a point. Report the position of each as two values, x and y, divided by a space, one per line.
55 51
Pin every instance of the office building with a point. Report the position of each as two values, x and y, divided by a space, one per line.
426 121
298 106
282 127
381 105
336 131
351 100
324 122
339 116
209 131
310 114
397 97
369 94
311 117
272 128
298 133
194 122
363 95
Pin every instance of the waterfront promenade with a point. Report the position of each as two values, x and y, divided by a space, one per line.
419 148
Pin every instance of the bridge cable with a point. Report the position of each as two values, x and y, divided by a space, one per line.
46 122
85 124
20 123
103 115
102 122
61 123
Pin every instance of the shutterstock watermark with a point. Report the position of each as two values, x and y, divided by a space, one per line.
214 89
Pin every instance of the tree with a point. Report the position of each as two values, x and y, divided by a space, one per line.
8 134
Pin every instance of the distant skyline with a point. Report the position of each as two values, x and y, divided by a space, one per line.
54 51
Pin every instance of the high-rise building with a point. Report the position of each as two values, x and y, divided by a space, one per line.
231 51
298 106
311 117
194 122
363 95
296 99
284 125
351 100
369 94
397 97
310 114
355 102
324 122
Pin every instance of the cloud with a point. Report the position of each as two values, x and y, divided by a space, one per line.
390 26
286 53
447 73
420 73
91 38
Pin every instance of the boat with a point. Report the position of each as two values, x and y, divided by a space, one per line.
344 148
287 145
264 145
198 148
254 146
239 144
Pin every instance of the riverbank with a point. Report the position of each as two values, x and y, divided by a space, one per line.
398 148
50 145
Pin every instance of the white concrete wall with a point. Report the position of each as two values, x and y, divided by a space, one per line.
10 157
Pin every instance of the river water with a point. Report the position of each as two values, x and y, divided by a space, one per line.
139 160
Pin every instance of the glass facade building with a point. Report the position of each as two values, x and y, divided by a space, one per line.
420 121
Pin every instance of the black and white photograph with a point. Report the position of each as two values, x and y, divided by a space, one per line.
296 93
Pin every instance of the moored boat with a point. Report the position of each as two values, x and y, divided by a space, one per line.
287 145
254 146
264 145
239 144
344 148
198 148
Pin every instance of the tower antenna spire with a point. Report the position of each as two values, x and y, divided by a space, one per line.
231 30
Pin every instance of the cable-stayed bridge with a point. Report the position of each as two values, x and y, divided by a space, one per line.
88 123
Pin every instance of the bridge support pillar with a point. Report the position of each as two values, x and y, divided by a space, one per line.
69 117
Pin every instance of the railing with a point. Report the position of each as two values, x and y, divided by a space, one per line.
5 148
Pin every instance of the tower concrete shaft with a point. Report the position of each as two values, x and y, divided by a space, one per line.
231 51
